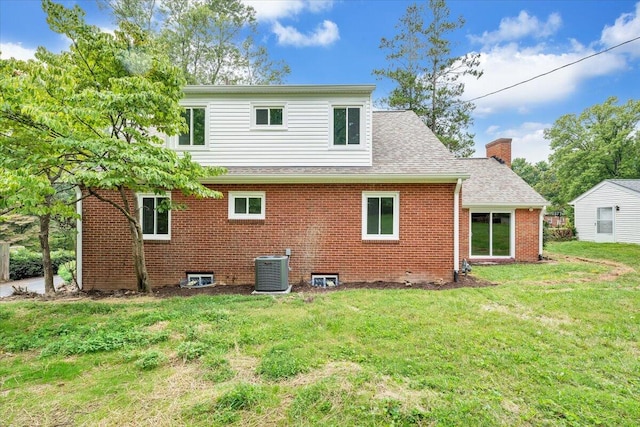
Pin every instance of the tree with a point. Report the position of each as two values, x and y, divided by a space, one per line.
427 74
540 176
30 157
525 170
107 100
210 40
601 143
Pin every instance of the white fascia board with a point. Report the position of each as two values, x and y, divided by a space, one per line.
332 179
277 89
502 205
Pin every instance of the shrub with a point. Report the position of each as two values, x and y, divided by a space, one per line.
68 271
24 263
561 234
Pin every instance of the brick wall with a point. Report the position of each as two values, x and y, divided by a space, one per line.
321 224
527 235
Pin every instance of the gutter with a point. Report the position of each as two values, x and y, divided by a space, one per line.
456 229
503 206
338 178
79 238
541 233
278 89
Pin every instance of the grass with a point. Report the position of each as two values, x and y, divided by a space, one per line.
553 344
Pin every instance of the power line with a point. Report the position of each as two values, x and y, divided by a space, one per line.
553 71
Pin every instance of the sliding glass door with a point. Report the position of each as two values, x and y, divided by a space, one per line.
491 234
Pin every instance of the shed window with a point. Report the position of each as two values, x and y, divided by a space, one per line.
604 222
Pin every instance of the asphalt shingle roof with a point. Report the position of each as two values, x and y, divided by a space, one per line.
495 184
402 146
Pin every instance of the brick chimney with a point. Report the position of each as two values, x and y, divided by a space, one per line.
500 149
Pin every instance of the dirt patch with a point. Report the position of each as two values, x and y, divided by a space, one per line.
176 291
618 268
464 282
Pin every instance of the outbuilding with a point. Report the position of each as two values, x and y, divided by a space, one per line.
609 212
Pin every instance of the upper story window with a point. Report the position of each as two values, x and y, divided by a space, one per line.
269 117
155 217
347 126
247 205
196 125
381 215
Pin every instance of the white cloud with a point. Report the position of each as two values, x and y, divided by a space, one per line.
271 10
507 64
527 141
511 64
626 27
15 50
516 28
324 35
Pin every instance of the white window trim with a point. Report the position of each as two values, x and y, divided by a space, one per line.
262 105
396 215
154 236
175 138
512 234
233 195
360 146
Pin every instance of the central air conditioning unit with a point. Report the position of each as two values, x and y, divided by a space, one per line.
272 273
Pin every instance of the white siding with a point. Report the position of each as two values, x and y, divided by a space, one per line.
306 141
626 224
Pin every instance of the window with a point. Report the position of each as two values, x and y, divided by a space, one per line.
246 205
269 117
155 216
491 234
196 124
199 280
324 280
604 223
346 126
380 215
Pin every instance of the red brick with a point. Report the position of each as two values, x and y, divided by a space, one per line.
321 224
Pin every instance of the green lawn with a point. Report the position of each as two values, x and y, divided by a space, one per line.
554 344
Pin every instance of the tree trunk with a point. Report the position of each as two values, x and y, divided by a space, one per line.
47 266
139 261
4 262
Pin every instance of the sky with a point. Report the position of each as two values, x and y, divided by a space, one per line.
338 42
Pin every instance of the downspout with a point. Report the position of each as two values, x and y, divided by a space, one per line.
541 233
79 238
456 229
